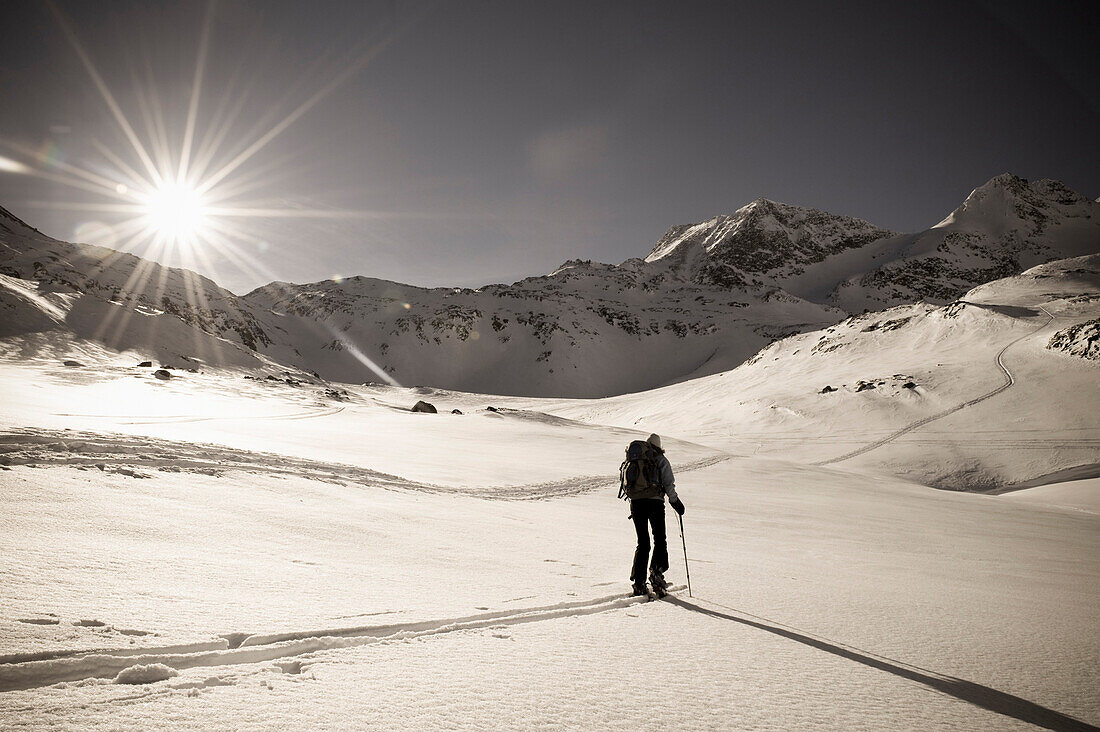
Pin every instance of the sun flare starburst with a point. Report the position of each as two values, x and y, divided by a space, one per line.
175 211
171 194
180 199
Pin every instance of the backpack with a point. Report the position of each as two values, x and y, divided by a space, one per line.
640 475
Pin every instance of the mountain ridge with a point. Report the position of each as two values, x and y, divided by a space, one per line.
707 297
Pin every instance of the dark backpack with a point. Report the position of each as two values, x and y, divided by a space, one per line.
640 475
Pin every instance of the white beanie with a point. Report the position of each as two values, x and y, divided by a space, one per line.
655 440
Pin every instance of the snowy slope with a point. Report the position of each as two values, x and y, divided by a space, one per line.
221 550
82 294
819 396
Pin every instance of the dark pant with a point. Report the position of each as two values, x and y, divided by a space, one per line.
652 512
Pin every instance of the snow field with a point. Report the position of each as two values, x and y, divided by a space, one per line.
992 592
373 428
638 668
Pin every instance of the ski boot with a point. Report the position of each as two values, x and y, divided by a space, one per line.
658 583
639 590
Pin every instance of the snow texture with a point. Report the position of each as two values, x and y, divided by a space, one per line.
145 674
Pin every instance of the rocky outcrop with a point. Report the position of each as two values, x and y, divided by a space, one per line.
1082 340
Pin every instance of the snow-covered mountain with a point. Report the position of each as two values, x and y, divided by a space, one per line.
588 329
1002 228
705 299
708 297
762 243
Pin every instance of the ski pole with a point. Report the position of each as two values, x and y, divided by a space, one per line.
684 544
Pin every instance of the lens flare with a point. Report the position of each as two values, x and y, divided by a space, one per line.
175 211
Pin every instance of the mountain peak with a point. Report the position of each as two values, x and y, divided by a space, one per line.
762 237
1010 195
762 203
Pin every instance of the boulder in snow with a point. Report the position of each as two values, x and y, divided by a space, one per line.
145 364
423 406
162 374
828 389
73 363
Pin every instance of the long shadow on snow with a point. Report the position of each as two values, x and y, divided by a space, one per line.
968 691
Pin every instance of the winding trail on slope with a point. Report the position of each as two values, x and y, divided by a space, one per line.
1008 382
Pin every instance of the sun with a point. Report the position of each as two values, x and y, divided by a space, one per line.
175 211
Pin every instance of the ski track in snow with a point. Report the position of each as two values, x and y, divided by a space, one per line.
127 454
1008 382
181 419
28 671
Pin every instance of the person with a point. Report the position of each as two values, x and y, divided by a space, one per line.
650 512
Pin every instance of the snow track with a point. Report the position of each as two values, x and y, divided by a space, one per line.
240 648
131 454
1009 380
134 419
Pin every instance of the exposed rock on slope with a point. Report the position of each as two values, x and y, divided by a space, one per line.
1081 340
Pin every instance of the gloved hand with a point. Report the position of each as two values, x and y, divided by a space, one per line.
677 506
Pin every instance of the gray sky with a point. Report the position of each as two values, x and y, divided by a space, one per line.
476 142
